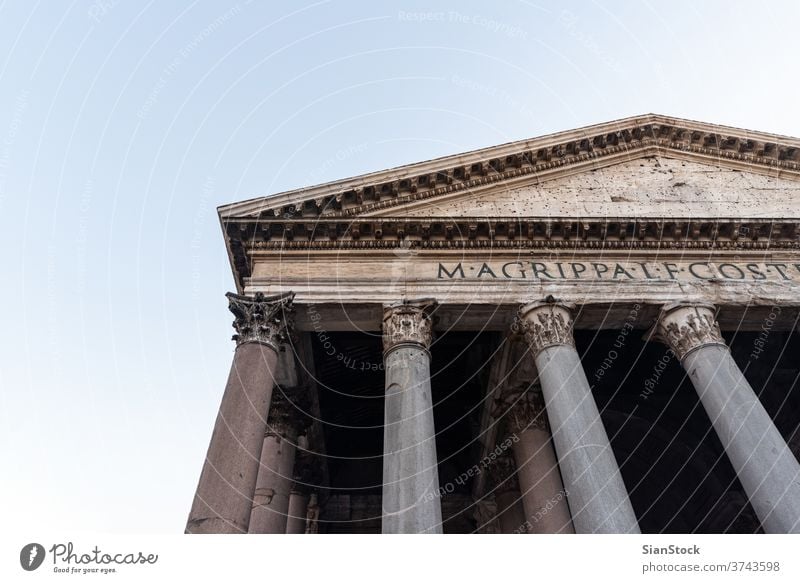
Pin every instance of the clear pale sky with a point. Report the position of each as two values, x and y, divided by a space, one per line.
123 125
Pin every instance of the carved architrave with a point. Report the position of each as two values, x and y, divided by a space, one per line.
545 324
263 319
408 323
685 327
523 408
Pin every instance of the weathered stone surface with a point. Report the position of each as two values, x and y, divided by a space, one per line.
411 502
581 150
655 186
545 324
408 323
277 469
298 507
763 461
274 484
617 192
543 495
765 464
685 327
598 500
619 217
353 287
510 512
504 486
540 487
485 514
224 495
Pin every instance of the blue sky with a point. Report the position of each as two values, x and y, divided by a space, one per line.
123 125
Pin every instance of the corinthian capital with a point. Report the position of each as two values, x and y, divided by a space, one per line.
263 319
408 323
684 327
545 324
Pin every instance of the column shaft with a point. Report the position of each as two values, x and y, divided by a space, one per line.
510 512
298 506
597 497
411 501
767 469
543 496
224 493
598 500
504 481
410 475
542 492
271 500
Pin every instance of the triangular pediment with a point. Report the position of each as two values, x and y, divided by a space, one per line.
650 186
640 160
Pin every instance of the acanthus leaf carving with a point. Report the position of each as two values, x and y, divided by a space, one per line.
545 324
685 327
262 319
408 323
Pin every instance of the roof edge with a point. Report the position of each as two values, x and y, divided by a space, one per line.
298 195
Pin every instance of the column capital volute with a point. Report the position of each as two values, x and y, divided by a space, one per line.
408 323
545 323
262 319
685 326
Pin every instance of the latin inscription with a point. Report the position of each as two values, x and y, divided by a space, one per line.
620 271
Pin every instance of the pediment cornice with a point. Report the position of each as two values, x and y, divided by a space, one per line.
540 158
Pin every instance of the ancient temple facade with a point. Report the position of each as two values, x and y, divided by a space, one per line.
590 331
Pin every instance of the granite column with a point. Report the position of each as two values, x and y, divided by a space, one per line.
411 502
767 469
224 494
598 500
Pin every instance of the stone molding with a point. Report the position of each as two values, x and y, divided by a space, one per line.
545 324
532 232
686 327
263 319
408 323
345 215
589 146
